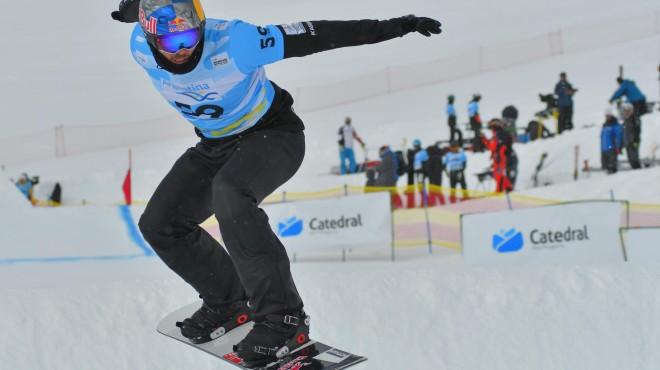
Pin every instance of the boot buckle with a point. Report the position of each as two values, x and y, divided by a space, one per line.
291 320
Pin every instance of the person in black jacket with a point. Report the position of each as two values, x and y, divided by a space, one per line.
212 72
433 168
632 134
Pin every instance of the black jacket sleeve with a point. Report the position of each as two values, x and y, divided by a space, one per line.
307 38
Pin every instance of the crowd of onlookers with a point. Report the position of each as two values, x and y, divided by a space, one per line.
425 167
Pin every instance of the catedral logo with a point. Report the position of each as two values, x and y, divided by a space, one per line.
293 226
334 224
512 240
556 238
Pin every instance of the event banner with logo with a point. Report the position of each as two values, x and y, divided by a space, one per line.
360 221
642 244
583 232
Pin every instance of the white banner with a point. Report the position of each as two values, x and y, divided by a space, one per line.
361 221
642 244
584 232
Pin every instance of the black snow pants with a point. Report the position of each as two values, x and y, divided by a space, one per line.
229 178
565 120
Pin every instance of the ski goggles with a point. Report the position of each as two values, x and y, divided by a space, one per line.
173 42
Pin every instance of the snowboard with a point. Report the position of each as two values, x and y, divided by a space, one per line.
312 356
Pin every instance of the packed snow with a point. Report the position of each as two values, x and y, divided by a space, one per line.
100 309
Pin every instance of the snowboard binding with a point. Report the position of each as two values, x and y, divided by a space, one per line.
208 323
294 328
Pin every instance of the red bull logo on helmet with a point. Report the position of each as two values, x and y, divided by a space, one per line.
147 25
178 24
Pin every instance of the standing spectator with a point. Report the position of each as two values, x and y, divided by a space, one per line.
410 157
387 173
26 186
633 95
475 122
564 91
456 161
452 120
346 153
433 168
500 146
510 116
611 142
631 135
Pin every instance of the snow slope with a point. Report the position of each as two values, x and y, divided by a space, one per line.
420 313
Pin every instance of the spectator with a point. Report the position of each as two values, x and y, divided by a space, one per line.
537 130
500 146
410 157
631 135
456 161
512 166
346 153
510 116
386 174
611 142
26 185
564 91
452 120
433 168
633 95
475 122
387 171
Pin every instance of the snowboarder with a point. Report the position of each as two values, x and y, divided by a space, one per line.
564 92
251 142
611 142
347 135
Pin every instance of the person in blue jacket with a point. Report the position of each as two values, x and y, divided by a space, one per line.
564 91
251 141
633 95
475 122
454 132
456 162
611 142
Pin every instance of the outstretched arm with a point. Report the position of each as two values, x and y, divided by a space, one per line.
254 46
307 38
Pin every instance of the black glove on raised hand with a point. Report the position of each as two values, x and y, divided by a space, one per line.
423 25
128 11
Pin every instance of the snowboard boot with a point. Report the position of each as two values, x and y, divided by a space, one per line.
209 323
273 338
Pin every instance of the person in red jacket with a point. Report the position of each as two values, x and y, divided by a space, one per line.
500 146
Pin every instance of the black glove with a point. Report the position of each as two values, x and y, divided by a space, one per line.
128 11
423 25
